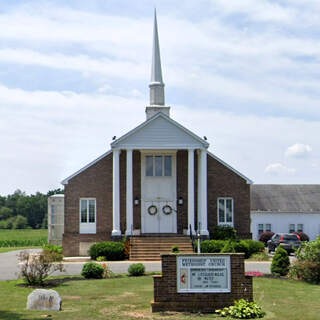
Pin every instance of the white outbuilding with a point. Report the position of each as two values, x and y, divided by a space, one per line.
285 208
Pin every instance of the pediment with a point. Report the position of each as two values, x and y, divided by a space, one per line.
160 132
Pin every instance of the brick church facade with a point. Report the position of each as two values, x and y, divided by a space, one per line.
158 179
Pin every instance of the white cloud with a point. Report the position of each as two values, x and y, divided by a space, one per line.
298 150
279 168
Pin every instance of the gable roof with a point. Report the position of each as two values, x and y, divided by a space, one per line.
160 132
285 198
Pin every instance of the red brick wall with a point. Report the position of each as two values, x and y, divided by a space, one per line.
166 297
222 182
95 182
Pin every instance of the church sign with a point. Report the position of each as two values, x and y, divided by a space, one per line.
203 274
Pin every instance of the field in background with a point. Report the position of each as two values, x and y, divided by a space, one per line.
23 238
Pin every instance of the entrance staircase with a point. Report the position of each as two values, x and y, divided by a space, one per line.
150 248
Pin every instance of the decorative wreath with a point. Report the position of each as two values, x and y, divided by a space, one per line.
167 209
152 210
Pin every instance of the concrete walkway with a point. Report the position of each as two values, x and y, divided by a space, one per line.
9 266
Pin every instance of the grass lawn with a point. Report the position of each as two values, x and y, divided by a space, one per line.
23 237
129 298
7 249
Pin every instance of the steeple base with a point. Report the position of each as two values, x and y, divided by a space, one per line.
154 109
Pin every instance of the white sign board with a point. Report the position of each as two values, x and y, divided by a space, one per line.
203 274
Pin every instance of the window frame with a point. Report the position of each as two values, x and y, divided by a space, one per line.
264 227
225 223
163 163
88 227
294 227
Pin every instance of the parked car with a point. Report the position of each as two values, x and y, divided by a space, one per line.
288 241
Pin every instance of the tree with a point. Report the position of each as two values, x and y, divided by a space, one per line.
5 213
20 222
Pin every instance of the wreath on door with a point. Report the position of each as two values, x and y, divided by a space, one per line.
167 209
152 210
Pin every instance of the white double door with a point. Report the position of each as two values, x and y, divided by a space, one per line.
158 195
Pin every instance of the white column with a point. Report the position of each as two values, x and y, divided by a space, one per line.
129 211
202 192
191 190
116 194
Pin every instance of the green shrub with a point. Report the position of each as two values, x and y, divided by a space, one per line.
136 269
307 265
242 246
56 251
92 270
212 246
101 258
228 247
242 309
280 262
254 246
109 249
175 249
52 248
224 233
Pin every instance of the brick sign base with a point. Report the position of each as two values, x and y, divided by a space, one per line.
166 297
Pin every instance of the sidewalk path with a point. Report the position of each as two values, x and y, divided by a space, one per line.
9 266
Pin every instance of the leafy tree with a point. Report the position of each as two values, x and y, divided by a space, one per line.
5 213
20 222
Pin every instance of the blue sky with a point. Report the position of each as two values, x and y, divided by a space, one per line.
75 73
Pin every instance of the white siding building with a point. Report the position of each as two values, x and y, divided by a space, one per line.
285 208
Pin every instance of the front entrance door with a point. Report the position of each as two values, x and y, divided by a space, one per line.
158 192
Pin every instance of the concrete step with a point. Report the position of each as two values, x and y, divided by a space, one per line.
150 248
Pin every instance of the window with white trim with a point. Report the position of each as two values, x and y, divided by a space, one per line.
264 227
88 215
295 227
158 166
292 228
225 211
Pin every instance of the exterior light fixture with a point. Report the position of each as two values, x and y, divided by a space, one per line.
136 201
180 201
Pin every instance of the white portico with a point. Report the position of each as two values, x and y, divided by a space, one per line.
158 139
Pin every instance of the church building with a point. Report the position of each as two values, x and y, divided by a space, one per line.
157 181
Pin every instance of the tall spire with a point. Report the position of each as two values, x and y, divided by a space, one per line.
156 85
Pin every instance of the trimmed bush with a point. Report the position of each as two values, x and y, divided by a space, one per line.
242 246
302 236
110 250
254 246
280 262
136 269
228 247
265 237
55 251
92 270
212 246
224 233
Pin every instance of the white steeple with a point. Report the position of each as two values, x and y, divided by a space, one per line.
157 101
